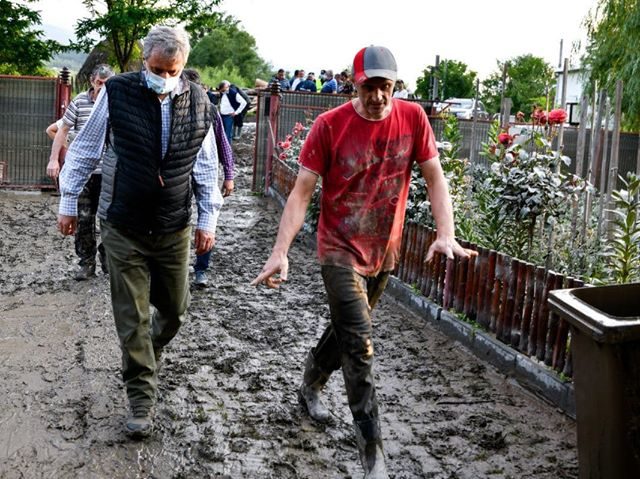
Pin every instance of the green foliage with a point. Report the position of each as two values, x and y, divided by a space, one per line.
454 81
623 250
418 204
289 152
212 77
529 78
125 22
456 171
611 53
22 49
529 183
226 46
491 225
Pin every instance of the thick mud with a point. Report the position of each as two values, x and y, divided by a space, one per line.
227 403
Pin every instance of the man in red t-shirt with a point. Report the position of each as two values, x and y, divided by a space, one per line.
364 151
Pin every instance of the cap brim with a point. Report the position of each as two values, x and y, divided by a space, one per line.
379 73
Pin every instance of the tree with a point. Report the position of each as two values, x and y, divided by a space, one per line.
611 54
23 51
529 81
125 22
454 81
228 47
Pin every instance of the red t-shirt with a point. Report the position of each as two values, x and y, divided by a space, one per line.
365 167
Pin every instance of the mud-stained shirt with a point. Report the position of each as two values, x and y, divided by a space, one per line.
365 167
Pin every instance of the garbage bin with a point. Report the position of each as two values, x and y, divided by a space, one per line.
605 344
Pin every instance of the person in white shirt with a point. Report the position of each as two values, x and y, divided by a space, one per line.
231 104
400 90
297 79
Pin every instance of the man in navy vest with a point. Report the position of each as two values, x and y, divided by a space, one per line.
160 150
231 104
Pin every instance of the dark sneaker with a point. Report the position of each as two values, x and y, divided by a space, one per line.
139 423
201 279
85 272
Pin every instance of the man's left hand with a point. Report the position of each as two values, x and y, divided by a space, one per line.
448 247
204 241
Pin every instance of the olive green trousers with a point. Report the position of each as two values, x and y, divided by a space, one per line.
145 271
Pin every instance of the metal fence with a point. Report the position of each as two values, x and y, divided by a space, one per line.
28 105
278 113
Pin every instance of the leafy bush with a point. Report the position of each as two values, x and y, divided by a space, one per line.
289 152
622 252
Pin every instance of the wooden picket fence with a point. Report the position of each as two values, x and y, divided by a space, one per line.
502 295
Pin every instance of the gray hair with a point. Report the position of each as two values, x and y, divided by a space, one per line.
101 71
168 41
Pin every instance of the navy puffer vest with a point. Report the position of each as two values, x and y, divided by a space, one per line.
141 190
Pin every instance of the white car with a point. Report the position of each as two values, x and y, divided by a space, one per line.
464 108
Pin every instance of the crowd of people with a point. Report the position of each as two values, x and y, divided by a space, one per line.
157 136
327 82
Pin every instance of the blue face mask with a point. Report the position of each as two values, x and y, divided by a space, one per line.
161 85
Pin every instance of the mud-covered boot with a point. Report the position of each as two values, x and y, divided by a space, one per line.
369 443
139 424
85 272
309 393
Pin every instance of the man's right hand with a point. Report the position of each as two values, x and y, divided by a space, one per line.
277 263
67 225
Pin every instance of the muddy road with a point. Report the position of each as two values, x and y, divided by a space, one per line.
227 402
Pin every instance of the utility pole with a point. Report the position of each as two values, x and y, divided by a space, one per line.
435 78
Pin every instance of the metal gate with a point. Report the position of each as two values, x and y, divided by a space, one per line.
28 105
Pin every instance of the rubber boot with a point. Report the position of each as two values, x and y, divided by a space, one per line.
369 442
237 131
313 382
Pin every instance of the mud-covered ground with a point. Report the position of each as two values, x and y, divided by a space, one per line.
227 402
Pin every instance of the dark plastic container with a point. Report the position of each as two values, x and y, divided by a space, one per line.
605 345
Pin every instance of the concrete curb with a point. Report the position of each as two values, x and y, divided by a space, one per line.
535 377
531 375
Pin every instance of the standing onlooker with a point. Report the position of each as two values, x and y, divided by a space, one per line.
281 79
231 104
73 121
309 84
363 151
297 79
225 155
400 90
161 149
346 87
238 120
330 84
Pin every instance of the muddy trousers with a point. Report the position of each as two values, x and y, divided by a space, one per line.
85 238
144 271
347 342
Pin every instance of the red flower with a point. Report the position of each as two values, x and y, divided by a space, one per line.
557 117
288 138
539 117
286 144
505 138
283 156
280 144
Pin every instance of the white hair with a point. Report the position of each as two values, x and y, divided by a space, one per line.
169 42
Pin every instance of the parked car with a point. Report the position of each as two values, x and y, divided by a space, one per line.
464 108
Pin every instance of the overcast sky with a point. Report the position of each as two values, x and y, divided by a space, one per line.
321 35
